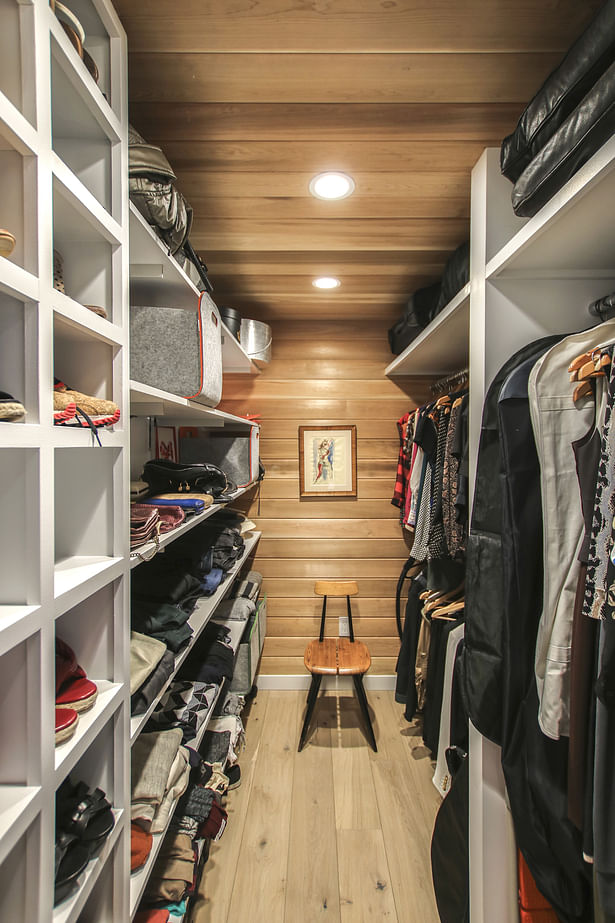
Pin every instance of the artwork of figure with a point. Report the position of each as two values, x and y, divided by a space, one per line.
324 460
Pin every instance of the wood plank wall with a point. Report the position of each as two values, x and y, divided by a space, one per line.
327 372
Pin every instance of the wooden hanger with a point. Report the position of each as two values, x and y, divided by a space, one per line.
443 613
593 368
576 364
440 598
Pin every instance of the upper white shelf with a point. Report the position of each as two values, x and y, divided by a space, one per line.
443 346
156 278
146 401
572 235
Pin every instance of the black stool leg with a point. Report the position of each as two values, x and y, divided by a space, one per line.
358 685
311 702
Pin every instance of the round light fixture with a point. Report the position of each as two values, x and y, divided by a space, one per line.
331 186
326 282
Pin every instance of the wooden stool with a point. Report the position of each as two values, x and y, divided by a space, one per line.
336 657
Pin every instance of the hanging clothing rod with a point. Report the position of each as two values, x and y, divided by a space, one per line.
603 308
451 382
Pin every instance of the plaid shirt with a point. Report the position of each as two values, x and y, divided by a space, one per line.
403 466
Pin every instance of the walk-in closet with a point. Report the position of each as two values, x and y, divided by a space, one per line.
307 461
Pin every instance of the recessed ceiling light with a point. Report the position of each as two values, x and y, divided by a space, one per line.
326 282
331 186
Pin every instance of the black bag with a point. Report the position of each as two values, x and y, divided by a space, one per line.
419 311
456 275
164 476
582 134
561 93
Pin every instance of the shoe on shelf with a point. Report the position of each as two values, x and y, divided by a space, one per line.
85 813
67 720
233 774
58 271
95 309
73 689
10 409
7 242
71 860
90 411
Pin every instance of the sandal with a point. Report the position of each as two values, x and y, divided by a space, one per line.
73 688
66 724
71 859
85 813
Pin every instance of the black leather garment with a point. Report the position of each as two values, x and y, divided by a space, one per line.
419 311
449 850
583 133
535 767
482 657
456 275
560 94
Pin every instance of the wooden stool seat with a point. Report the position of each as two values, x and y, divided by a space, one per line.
337 656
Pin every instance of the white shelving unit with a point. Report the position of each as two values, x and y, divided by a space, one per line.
64 546
443 346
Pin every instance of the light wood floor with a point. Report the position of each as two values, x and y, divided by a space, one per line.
336 832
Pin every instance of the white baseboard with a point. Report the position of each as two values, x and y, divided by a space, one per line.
302 681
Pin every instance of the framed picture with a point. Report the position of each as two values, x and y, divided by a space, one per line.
327 461
166 443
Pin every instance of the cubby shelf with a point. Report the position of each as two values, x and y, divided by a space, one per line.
443 346
109 699
19 805
146 401
73 199
197 621
156 278
66 56
17 623
77 577
143 552
84 320
18 282
139 879
68 911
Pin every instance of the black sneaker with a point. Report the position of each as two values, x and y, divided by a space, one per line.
233 774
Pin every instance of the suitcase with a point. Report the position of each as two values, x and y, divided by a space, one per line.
178 350
236 453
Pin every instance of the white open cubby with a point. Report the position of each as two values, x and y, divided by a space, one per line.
84 502
92 17
19 537
84 362
17 61
19 900
19 669
86 249
18 353
18 194
78 137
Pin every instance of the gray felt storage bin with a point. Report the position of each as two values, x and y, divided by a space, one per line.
237 453
249 651
178 350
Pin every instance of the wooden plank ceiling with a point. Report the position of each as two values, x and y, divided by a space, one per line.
251 98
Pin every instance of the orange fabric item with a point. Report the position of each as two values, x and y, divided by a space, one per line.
534 907
152 916
140 846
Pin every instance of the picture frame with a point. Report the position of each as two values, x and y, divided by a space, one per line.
328 461
166 443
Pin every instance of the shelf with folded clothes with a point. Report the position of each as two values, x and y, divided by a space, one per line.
139 879
67 911
572 233
94 94
198 621
143 552
443 346
147 401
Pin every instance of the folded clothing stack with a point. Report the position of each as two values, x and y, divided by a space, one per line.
160 772
249 587
567 121
151 664
224 739
235 610
185 705
164 621
212 658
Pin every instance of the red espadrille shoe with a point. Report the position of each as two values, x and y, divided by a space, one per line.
73 688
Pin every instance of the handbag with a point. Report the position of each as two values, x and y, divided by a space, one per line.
144 524
171 516
200 478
